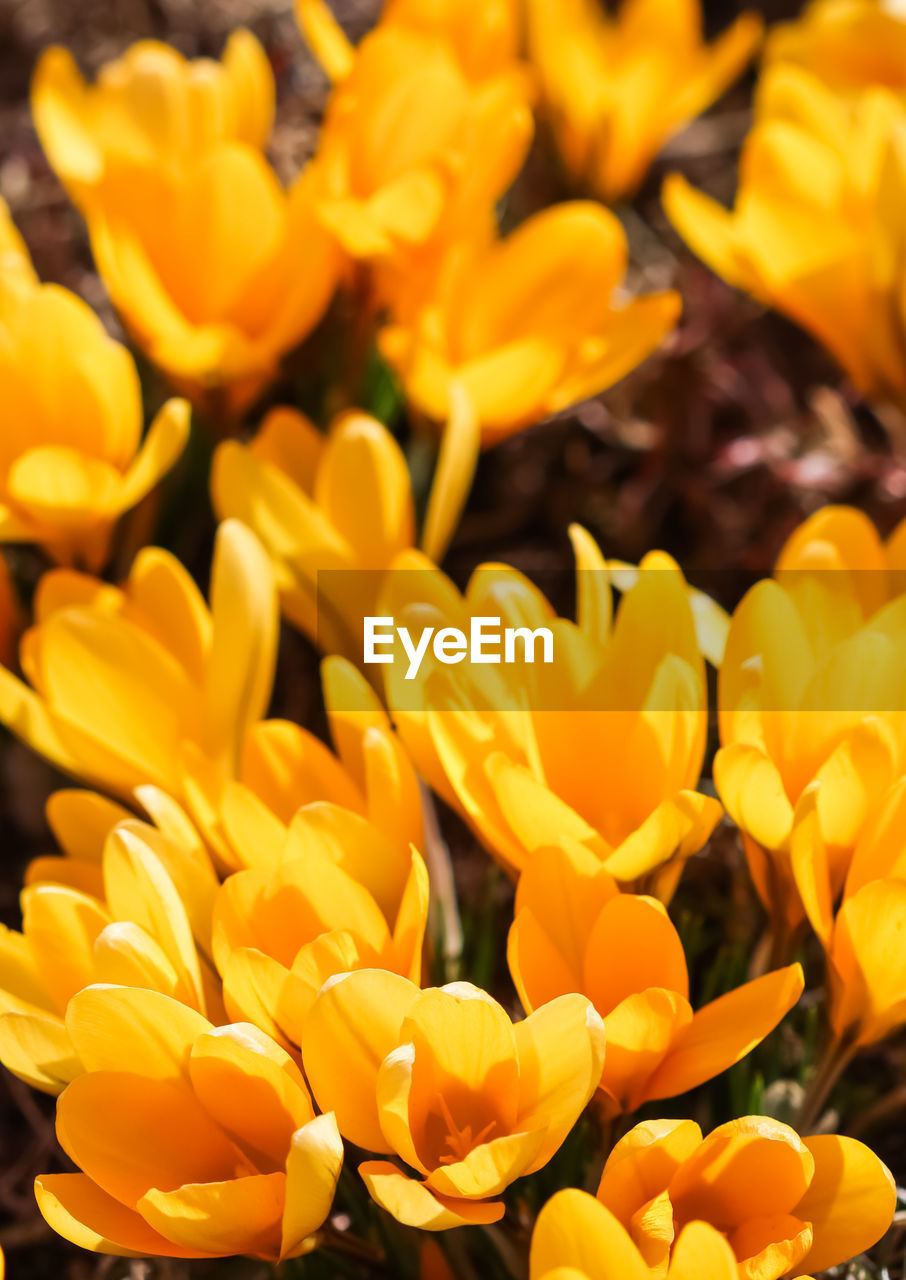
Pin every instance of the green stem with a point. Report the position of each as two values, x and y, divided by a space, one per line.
837 1057
446 926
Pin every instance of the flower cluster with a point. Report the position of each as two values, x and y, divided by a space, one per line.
244 968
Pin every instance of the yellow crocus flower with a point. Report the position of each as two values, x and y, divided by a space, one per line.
150 108
785 1205
216 271
503 332
849 44
603 745
124 680
575 931
193 1141
345 896
576 1238
386 191
861 933
617 87
443 1080
130 903
815 229
332 512
72 458
812 691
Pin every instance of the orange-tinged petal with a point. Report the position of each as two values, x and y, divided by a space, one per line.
539 971
640 1033
355 1020
633 946
752 1167
850 1201
81 1212
252 1088
62 925
413 1204
679 826
561 1051
220 1219
771 1246
725 1030
130 1133
323 958
644 1163
313 1169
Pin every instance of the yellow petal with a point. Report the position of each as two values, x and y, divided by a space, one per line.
160 449
243 651
488 1169
38 1050
130 1133
119 1028
561 1050
81 822
80 1211
644 1163
356 1020
575 1231
702 1252
632 946
326 37
252 1088
752 790
850 1201
312 1170
220 1219
456 463
413 1204
725 1030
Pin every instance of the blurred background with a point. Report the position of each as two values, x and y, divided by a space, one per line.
714 450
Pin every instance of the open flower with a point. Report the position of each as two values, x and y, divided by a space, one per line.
862 935
603 745
616 88
786 1205
72 459
122 678
849 44
150 108
129 903
332 513
574 931
345 896
385 191
507 331
815 227
194 1141
216 271
812 690
576 1238
442 1080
